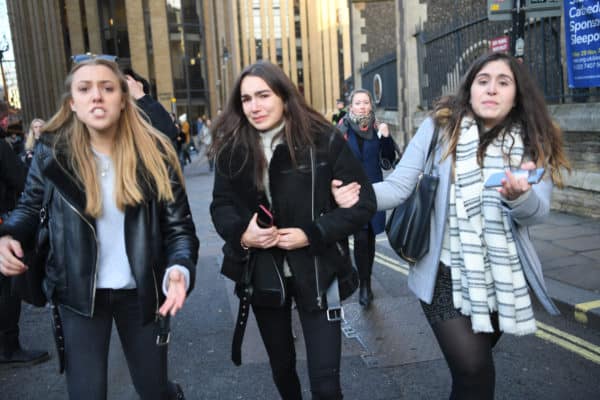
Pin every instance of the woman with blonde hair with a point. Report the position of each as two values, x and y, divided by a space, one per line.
33 135
122 241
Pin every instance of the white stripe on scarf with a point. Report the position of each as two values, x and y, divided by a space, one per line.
486 271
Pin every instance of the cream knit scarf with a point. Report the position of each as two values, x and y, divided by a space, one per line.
486 271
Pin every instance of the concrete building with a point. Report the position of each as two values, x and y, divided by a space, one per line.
309 40
190 50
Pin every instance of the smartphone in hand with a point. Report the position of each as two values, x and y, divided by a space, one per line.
533 176
264 217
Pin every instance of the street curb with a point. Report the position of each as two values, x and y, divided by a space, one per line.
567 299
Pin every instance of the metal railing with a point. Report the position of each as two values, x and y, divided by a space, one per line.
445 56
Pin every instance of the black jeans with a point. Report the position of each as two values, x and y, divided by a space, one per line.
87 342
364 252
10 311
323 350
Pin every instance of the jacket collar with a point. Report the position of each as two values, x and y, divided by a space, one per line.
54 167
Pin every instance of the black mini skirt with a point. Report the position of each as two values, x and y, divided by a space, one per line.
442 306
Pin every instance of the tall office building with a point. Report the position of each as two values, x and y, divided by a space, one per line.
190 50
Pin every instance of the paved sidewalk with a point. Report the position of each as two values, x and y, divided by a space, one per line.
569 248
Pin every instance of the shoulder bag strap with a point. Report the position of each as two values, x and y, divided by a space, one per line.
431 151
335 312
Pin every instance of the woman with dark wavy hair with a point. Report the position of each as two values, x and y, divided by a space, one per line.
275 154
475 281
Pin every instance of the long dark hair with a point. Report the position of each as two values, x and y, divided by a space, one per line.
232 133
542 137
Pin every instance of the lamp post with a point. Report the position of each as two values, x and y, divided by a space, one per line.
3 49
225 78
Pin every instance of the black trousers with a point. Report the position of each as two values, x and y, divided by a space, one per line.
364 252
10 311
323 350
87 343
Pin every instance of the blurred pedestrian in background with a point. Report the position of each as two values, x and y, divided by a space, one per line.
185 146
206 141
12 181
139 88
33 135
371 143
339 113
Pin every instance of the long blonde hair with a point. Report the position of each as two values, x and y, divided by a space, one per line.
30 141
137 146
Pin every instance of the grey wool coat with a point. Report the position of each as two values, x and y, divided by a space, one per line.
528 210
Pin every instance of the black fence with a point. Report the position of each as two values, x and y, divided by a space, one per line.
445 56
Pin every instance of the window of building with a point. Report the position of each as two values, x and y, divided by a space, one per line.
188 63
113 27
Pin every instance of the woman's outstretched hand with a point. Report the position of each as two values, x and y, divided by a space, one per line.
514 186
345 196
10 257
176 294
257 237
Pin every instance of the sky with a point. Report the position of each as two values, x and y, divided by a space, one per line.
5 30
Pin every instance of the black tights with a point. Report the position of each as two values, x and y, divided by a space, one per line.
469 357
364 252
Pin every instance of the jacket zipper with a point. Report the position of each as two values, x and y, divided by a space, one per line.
155 291
97 251
281 283
312 213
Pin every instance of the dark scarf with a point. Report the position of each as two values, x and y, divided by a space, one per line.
362 125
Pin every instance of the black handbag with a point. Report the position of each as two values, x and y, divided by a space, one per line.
266 284
387 164
408 227
29 285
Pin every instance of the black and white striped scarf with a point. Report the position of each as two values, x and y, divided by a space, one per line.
486 271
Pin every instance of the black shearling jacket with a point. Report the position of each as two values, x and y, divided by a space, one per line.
236 198
157 235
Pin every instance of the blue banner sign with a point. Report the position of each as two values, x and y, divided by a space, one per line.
582 29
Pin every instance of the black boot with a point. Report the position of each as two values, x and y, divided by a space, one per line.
11 353
365 294
176 392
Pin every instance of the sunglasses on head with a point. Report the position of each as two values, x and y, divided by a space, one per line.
77 58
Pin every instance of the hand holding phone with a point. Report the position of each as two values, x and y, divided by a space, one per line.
264 217
533 177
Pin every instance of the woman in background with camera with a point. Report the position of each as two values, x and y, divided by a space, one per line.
272 150
473 282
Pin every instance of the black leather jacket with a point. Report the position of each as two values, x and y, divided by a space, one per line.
157 235
327 227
